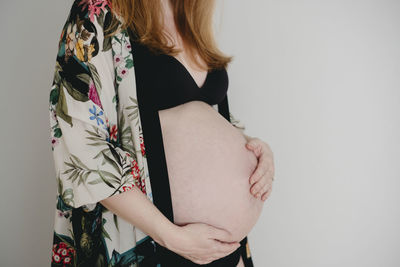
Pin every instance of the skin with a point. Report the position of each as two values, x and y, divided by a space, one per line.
262 177
198 242
208 168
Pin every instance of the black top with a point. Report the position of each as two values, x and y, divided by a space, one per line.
162 82
169 83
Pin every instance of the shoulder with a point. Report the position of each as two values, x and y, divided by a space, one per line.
83 31
84 64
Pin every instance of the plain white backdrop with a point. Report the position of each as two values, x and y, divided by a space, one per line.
318 80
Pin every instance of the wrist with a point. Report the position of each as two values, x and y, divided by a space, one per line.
167 235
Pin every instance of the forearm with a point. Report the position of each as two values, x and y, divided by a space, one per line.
137 209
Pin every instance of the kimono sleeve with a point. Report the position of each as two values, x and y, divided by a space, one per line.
89 162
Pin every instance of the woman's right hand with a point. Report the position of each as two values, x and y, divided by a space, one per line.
201 243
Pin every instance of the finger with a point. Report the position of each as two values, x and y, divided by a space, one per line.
264 164
227 248
222 249
219 234
264 180
258 173
260 187
201 261
264 159
263 190
219 250
219 242
266 194
255 148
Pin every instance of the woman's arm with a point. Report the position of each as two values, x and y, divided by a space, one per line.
134 207
197 242
91 164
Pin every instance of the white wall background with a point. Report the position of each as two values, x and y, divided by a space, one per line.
318 80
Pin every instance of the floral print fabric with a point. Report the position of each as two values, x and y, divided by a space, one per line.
96 141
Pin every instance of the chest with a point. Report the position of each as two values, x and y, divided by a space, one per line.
168 83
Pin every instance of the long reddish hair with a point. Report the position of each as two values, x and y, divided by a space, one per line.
193 19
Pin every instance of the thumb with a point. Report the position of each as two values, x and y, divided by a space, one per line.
253 145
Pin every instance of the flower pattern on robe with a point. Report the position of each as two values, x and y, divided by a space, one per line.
96 140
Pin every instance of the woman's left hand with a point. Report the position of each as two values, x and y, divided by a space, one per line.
263 176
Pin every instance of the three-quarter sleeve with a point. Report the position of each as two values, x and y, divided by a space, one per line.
89 162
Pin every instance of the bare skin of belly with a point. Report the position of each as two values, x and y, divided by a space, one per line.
209 169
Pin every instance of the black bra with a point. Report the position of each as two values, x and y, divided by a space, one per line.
171 84
162 82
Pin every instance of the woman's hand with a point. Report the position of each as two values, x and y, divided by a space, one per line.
263 175
201 243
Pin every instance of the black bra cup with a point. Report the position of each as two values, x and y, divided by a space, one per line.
171 84
162 82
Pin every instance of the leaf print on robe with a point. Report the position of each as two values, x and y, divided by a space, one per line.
125 136
94 168
90 161
134 109
95 160
122 56
73 92
65 199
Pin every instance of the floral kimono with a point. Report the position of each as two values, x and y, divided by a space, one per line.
97 144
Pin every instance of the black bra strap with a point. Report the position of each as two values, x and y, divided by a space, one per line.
223 108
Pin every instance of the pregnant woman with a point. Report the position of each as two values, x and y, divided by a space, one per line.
152 168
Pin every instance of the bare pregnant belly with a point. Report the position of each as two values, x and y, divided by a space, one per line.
209 169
